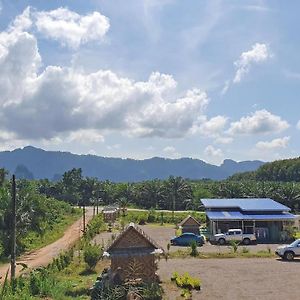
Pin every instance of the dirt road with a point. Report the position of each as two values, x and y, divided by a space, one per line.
45 255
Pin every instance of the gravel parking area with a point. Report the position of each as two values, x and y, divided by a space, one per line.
236 279
162 235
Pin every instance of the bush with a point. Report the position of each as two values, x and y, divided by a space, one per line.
194 250
186 281
234 246
91 255
245 250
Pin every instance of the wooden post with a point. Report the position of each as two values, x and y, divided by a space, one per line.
83 217
13 232
97 208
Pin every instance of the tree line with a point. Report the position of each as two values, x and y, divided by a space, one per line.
174 193
286 170
36 214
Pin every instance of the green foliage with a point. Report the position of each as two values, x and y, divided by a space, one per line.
245 250
136 217
40 220
186 281
233 245
194 250
148 291
95 226
91 255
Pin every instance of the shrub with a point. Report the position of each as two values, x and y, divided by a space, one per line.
245 250
91 255
233 246
194 251
186 281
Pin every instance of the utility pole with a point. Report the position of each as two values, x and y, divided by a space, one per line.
97 208
13 232
83 216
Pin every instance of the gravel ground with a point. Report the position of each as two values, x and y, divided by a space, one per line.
236 279
162 235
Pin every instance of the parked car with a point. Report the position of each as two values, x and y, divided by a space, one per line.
234 235
288 252
186 238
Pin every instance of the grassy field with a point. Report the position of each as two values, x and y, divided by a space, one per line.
158 217
208 255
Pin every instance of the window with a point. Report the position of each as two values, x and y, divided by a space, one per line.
231 233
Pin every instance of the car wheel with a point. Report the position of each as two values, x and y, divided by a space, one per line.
246 241
221 241
288 255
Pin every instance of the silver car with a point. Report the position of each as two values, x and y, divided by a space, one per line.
288 252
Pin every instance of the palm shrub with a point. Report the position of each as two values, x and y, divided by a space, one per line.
233 245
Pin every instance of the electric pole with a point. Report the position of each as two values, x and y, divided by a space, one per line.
83 215
13 232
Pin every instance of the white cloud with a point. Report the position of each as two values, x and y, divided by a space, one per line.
259 53
70 28
262 121
171 152
298 125
274 144
214 126
223 140
213 154
85 136
42 104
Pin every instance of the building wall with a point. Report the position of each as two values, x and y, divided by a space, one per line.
135 267
265 231
192 229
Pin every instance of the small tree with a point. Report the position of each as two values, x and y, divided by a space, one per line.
194 250
91 255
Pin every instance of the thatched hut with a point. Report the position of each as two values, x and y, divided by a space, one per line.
110 213
190 224
132 256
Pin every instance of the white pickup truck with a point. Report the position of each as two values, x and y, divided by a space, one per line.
234 235
288 252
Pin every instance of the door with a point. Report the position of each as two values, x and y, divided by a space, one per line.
262 234
297 249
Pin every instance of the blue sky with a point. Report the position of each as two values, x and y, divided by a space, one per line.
202 79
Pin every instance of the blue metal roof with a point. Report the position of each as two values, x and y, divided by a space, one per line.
245 204
236 215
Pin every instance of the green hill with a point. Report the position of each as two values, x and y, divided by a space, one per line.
280 170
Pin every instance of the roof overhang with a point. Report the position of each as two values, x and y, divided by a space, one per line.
238 216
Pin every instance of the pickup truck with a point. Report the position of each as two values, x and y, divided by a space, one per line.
234 235
288 252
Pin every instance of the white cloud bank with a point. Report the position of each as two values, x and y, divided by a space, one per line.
274 144
44 104
259 53
260 122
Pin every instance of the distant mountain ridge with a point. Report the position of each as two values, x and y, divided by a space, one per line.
51 164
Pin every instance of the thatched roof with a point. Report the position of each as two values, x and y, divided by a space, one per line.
133 240
189 221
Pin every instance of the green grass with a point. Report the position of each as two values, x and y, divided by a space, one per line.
74 282
34 241
208 255
153 216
